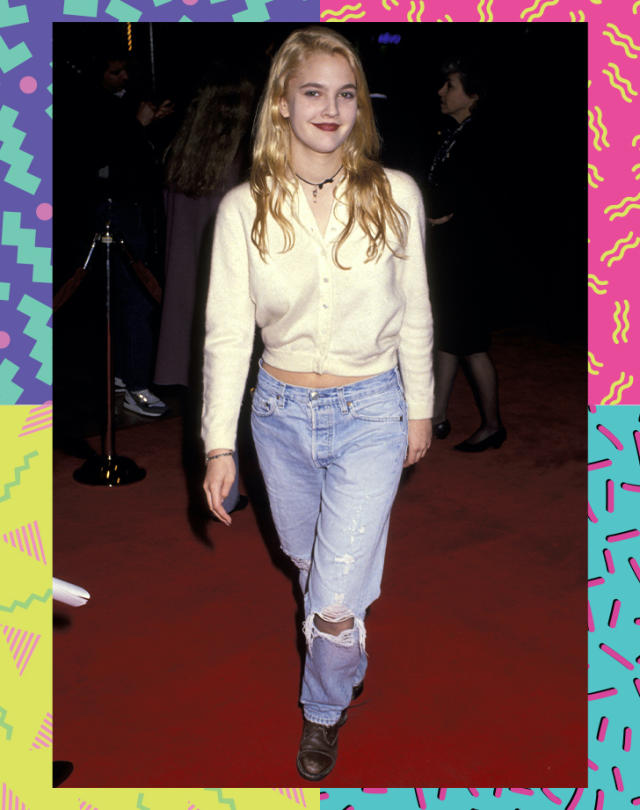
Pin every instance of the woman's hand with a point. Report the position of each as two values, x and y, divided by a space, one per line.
220 475
419 440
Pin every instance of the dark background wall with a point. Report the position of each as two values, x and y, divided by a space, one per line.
535 112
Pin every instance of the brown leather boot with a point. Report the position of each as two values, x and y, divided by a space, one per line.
318 749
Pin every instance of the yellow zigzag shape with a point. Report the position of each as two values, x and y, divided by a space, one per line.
412 9
616 86
347 17
620 241
593 280
596 174
620 205
623 251
480 10
592 370
616 320
344 8
580 18
623 213
635 7
623 37
592 359
447 18
603 133
621 79
596 290
622 388
542 10
532 8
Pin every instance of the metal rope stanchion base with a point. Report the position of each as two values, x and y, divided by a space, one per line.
109 471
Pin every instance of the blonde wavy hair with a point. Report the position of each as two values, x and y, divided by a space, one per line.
367 192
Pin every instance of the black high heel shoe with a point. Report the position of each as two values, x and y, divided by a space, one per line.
442 429
495 440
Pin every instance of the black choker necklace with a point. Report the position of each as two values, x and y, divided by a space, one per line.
318 186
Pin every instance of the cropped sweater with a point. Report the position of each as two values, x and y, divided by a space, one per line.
313 315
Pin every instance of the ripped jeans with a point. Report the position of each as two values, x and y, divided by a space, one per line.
331 459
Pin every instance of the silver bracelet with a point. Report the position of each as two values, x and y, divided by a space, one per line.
218 455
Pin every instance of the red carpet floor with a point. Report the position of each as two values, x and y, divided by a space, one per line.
183 669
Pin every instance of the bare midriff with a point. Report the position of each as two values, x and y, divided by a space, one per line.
309 379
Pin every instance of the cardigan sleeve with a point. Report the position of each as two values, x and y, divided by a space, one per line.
416 333
229 326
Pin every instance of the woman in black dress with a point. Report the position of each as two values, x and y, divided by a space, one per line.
460 261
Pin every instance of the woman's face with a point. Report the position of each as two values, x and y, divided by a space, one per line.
321 105
453 99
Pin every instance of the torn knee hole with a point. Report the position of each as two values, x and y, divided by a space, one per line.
333 627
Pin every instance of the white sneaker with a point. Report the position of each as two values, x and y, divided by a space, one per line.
119 384
144 402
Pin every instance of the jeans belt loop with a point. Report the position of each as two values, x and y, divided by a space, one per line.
344 407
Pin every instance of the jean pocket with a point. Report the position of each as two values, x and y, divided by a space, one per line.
382 408
262 405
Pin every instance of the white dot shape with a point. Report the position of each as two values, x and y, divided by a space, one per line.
5 340
28 84
44 211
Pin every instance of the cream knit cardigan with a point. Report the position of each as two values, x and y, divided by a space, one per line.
314 316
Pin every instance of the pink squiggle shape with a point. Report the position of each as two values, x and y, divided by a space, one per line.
635 567
577 795
602 729
626 739
610 496
442 794
636 436
615 612
375 790
636 801
636 683
551 796
599 799
593 765
616 656
591 514
631 487
420 797
324 795
617 778
616 538
523 791
473 792
497 792
592 408
595 581
608 561
609 435
598 465
602 693
590 623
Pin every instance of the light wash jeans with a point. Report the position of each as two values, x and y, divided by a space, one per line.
331 459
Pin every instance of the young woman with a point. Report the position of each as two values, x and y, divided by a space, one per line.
323 249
